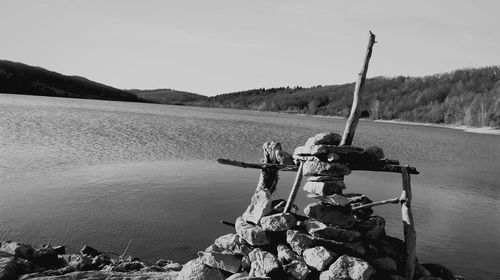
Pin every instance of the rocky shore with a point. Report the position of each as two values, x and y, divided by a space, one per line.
339 237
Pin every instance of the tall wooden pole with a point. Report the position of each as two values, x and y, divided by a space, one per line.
408 226
352 122
295 189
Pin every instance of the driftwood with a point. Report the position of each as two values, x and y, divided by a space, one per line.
382 168
295 189
377 203
352 122
269 174
408 225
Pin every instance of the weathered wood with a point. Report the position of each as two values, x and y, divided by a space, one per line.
352 122
377 203
227 223
295 189
408 225
380 168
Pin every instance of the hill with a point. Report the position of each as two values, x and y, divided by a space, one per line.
463 97
168 96
25 79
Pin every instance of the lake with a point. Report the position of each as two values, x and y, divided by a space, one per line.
77 172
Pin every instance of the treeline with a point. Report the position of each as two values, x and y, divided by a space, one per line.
469 96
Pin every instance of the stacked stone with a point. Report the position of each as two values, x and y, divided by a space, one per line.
331 242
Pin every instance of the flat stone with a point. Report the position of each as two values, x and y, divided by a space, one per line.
347 267
17 249
328 138
263 263
233 243
253 234
330 214
322 178
197 270
375 153
222 261
319 229
298 241
334 199
259 207
318 168
298 269
318 257
324 188
278 222
384 263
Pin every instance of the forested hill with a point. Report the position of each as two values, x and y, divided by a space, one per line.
25 79
168 96
469 96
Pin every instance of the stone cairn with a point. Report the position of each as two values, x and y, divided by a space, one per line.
338 238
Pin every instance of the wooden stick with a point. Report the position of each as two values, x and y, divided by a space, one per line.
352 122
227 223
295 189
382 202
382 168
408 226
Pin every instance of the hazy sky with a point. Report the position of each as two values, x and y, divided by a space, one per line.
212 47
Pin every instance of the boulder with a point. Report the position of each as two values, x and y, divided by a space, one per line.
278 222
128 266
260 206
253 234
318 257
17 249
284 158
286 255
330 214
319 150
319 229
94 275
12 267
47 258
197 270
60 250
298 241
222 261
318 168
327 138
79 262
298 269
325 188
384 263
348 268
89 251
233 243
377 228
213 248
392 247
263 263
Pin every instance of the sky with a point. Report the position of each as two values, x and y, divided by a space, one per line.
214 47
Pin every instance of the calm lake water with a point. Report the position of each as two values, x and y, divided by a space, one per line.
78 172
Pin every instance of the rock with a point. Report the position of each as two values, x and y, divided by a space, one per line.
327 138
12 267
173 267
330 214
46 257
222 261
421 271
298 269
17 249
384 263
278 222
162 262
357 200
319 150
152 268
238 276
213 248
348 268
253 234
319 168
440 271
318 257
259 207
319 229
298 241
129 266
60 250
246 263
335 199
392 247
284 158
375 153
95 275
233 243
377 228
325 187
79 262
322 178
352 249
263 263
286 255
197 270
89 251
